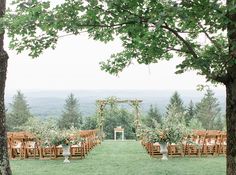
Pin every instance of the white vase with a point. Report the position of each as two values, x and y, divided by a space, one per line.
66 153
164 151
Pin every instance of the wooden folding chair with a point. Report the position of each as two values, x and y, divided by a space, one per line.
195 143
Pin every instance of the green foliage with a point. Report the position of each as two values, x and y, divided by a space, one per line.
208 110
19 112
175 110
149 30
71 116
64 137
190 112
48 133
219 123
168 132
114 117
176 104
42 129
172 129
195 124
153 114
90 122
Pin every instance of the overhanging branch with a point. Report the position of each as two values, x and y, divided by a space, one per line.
186 43
210 38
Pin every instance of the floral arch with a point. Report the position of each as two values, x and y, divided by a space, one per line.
101 105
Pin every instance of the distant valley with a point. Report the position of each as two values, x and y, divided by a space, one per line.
50 103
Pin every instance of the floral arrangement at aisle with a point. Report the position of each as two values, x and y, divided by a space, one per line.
48 133
171 130
65 137
168 133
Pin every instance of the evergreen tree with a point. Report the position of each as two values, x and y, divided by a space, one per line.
115 116
19 112
176 101
195 124
208 110
190 112
218 124
153 114
175 106
71 116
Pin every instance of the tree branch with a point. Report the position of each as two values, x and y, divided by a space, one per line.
70 34
186 43
220 78
209 37
178 50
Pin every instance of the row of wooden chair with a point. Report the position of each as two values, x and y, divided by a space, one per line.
199 143
24 145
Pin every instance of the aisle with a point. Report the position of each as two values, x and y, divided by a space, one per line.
120 156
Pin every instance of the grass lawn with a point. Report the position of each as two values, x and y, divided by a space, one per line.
121 158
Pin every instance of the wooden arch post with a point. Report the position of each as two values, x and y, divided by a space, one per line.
101 107
136 106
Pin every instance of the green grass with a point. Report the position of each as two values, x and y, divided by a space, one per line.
121 158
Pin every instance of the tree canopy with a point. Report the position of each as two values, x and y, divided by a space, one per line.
150 31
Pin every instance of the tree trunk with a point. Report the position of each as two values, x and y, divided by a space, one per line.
231 90
231 126
4 160
231 119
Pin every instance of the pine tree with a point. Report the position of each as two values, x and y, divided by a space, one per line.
190 112
71 116
195 124
19 112
208 110
175 106
153 114
176 101
218 124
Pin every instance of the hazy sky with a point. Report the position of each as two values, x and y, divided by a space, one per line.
74 64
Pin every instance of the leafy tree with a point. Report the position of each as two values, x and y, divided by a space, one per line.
153 114
208 110
114 117
19 113
190 112
89 123
71 116
149 30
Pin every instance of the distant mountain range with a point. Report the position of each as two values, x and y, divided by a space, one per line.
50 103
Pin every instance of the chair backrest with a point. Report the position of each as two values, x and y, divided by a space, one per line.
199 136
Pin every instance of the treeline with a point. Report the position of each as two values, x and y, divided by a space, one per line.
205 114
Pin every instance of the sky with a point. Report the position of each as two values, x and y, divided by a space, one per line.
74 65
